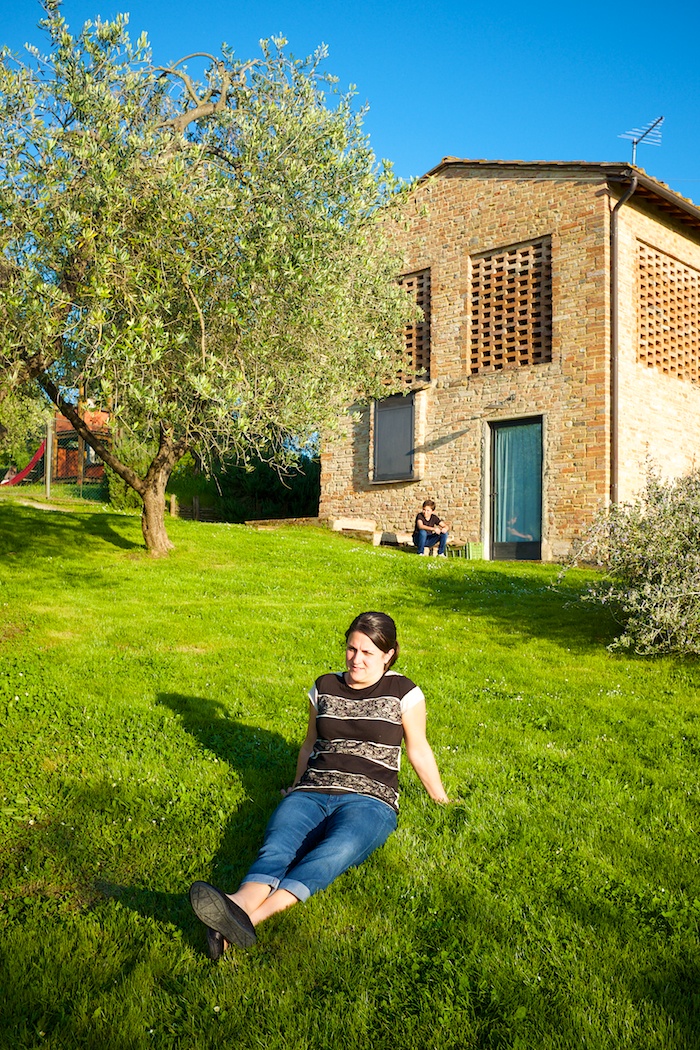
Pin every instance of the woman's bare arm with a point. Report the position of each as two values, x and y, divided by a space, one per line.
420 753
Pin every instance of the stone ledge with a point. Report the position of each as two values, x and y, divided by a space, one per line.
353 525
363 529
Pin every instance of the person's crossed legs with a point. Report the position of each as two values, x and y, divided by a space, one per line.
310 840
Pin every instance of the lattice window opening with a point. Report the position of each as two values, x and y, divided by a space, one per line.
417 334
669 314
511 308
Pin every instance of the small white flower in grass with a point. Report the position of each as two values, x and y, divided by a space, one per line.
216 1009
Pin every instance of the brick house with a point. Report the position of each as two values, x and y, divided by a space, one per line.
72 458
559 355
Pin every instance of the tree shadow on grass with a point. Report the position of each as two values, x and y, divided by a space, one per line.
520 600
30 532
76 934
264 762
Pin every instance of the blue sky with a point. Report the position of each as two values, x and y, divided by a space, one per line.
505 81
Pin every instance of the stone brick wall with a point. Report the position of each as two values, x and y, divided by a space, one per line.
659 414
451 217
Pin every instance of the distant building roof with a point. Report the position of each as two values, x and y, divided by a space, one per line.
94 418
652 192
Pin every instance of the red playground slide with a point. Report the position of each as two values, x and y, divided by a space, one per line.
28 469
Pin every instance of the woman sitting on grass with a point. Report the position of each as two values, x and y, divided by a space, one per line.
344 800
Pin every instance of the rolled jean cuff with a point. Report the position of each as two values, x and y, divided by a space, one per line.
299 890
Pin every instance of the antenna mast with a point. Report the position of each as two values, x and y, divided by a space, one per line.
651 134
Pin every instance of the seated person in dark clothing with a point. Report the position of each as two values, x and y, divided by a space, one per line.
430 529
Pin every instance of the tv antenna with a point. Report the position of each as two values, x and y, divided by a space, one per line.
651 135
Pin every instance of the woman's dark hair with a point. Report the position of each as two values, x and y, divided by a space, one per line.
380 629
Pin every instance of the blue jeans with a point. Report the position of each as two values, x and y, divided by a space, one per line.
422 539
313 837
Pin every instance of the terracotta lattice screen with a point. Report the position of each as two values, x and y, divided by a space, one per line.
511 307
417 336
669 314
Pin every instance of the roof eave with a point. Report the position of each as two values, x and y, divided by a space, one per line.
612 172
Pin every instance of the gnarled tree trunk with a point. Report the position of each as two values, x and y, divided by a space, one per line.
153 492
150 488
153 517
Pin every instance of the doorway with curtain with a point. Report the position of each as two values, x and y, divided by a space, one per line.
516 490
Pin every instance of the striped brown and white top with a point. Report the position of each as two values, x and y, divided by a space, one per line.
359 736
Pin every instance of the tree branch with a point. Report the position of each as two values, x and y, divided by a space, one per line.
186 80
203 107
79 425
169 452
198 308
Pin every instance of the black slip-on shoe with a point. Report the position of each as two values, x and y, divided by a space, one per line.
222 915
215 944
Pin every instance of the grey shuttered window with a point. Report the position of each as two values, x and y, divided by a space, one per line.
393 439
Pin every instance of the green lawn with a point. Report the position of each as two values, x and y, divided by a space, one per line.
151 710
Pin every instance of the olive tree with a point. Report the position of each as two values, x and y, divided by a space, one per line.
650 551
199 252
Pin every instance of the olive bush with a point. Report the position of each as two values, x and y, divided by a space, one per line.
650 551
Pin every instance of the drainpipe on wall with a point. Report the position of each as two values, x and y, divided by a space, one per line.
614 338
